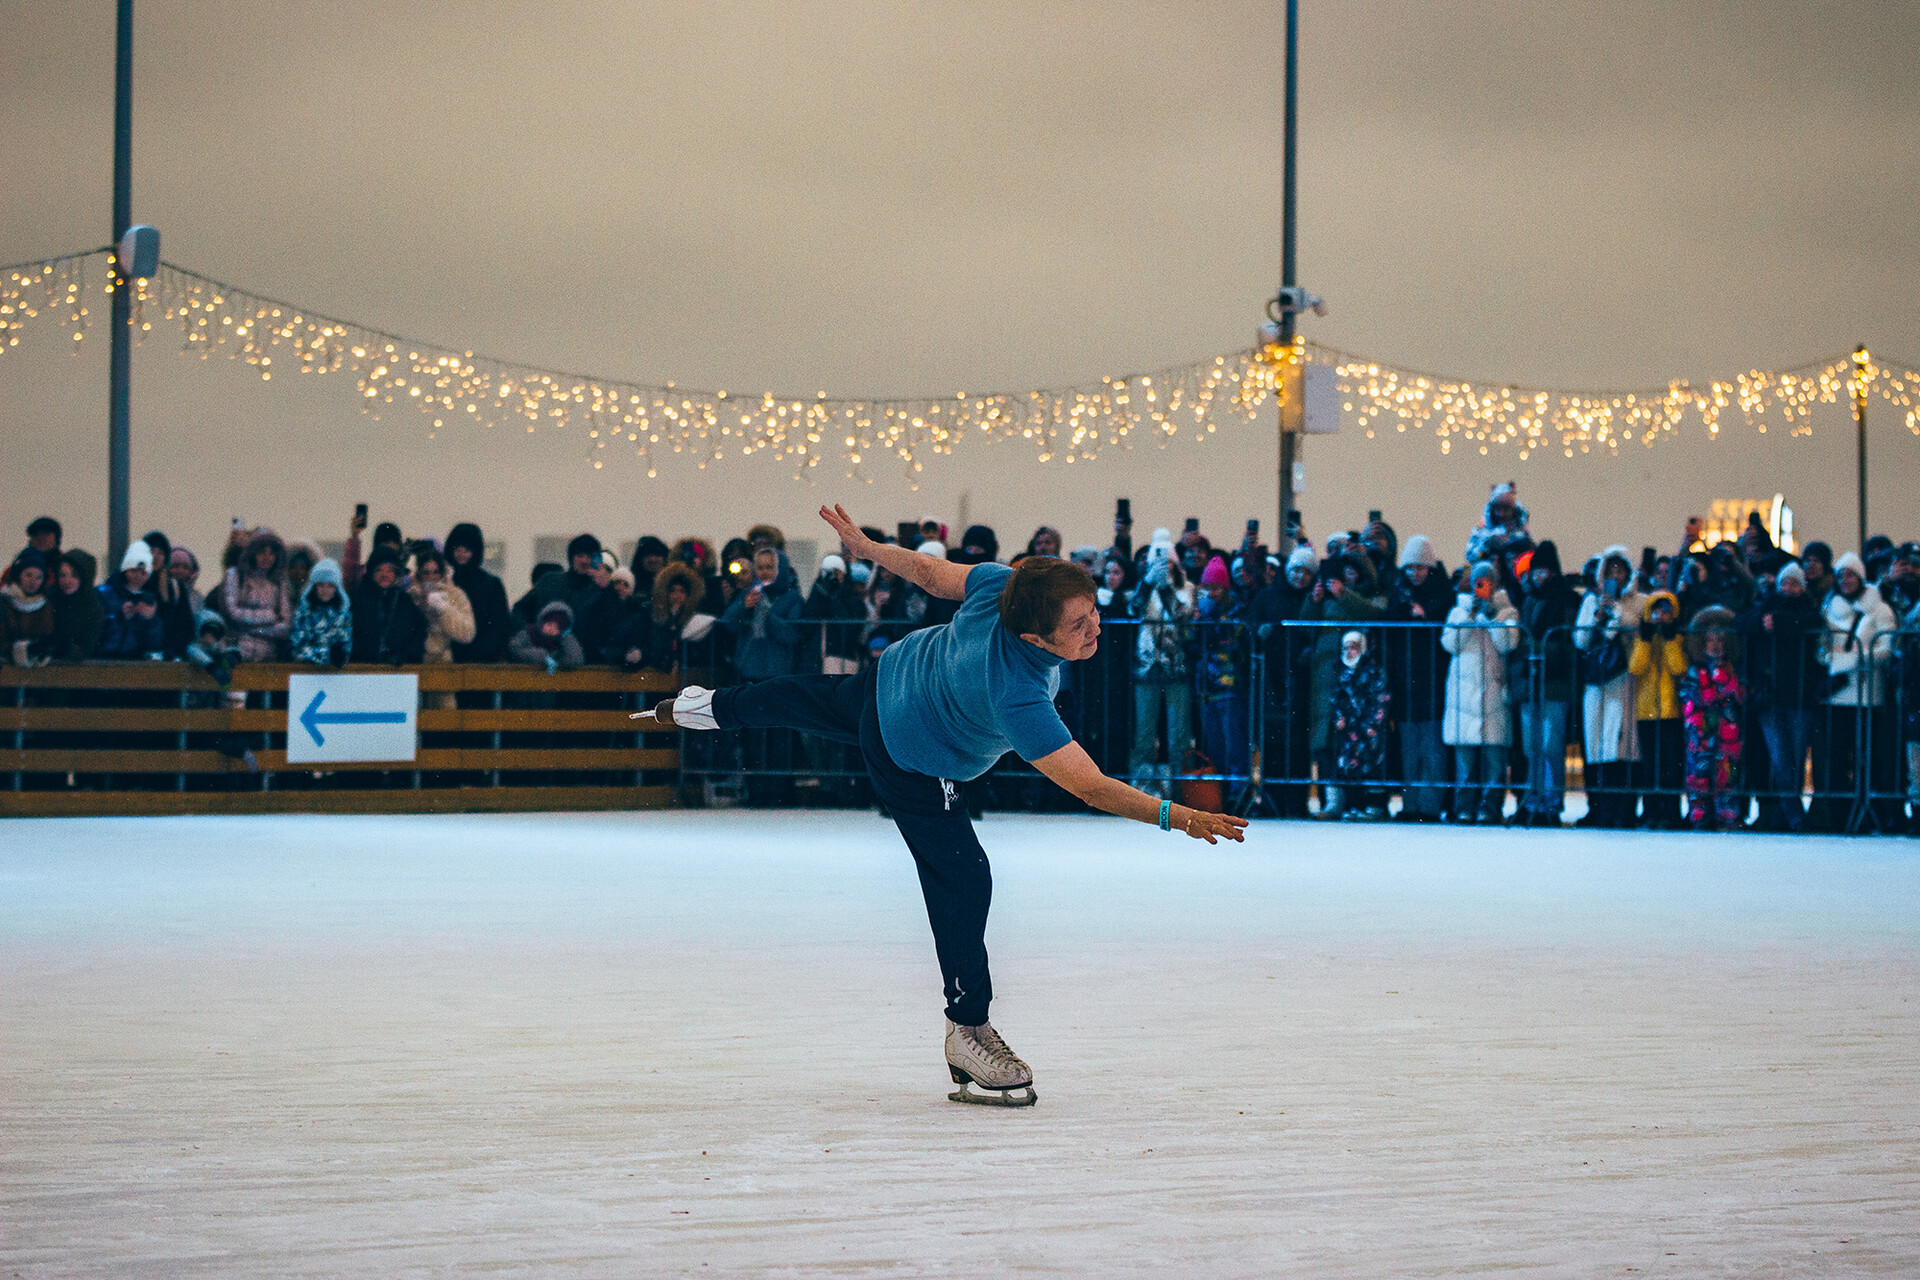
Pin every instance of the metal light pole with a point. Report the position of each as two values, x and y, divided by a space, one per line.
1289 422
1860 363
120 378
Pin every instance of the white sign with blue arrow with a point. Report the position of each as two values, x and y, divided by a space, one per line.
338 719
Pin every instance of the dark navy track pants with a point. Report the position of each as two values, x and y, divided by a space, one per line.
930 812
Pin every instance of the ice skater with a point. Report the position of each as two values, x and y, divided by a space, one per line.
937 710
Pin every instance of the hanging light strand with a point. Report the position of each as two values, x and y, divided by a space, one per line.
652 422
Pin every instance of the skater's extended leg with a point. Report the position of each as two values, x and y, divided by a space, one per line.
826 705
955 878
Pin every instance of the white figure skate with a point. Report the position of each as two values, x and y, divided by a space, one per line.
691 708
978 1056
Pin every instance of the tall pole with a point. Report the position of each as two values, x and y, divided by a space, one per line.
1860 363
119 413
1289 422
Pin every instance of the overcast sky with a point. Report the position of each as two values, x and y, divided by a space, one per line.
890 199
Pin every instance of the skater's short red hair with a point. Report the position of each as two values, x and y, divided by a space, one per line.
1041 586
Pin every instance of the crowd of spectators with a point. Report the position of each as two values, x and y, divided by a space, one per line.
1697 684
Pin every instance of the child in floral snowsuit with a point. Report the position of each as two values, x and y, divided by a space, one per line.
1711 697
1360 703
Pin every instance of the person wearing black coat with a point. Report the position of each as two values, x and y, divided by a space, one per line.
839 609
1416 666
492 620
1784 631
1287 743
388 626
1549 606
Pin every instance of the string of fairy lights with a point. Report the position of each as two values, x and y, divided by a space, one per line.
455 390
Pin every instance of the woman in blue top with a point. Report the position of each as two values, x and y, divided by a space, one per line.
940 707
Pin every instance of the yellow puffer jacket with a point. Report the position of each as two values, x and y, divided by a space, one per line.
1656 666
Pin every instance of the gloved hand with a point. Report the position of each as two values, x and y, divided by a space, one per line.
553 664
1264 631
1668 630
1646 630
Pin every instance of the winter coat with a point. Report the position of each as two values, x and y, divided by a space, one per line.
531 646
1416 661
1607 709
1479 638
578 591
1547 614
127 635
388 626
1361 702
1656 664
1160 640
317 628
1487 541
841 611
1860 647
449 616
25 618
179 607
257 603
766 635
486 595
1220 649
1363 601
1784 667
79 619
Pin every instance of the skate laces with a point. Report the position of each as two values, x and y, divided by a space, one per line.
992 1045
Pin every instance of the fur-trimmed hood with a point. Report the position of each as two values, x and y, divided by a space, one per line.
696 588
1710 619
264 537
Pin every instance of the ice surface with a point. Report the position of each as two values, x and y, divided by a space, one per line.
707 1043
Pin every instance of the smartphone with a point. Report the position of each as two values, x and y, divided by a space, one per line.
1373 517
908 534
360 512
1253 528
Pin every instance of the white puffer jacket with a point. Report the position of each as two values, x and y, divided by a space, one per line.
1860 647
1476 712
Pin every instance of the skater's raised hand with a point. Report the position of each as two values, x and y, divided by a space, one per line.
936 577
856 542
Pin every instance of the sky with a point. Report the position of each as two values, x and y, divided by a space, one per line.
891 199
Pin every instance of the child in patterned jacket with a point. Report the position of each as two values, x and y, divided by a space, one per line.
1711 698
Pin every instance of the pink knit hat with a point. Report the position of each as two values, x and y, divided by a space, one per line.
1215 574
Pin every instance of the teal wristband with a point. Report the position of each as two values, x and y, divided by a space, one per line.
1166 815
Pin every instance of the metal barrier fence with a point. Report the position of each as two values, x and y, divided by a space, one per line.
1467 721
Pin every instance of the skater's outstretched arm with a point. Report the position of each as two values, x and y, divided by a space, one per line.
1074 770
935 577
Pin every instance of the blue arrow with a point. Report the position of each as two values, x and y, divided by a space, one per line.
311 719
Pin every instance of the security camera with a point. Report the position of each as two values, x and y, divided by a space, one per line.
1294 299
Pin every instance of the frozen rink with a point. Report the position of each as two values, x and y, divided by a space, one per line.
709 1043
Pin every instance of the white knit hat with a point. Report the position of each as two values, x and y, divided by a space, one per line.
832 564
139 555
1419 550
933 547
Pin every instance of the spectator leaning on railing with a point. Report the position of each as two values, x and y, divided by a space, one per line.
79 618
323 620
492 621
388 626
257 601
133 628
26 612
